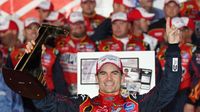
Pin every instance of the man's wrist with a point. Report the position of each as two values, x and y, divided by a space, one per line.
173 47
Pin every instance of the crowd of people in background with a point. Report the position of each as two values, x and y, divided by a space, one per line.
128 28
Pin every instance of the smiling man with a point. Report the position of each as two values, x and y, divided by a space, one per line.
109 76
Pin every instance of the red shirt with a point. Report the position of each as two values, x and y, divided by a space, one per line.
190 9
68 48
93 22
113 44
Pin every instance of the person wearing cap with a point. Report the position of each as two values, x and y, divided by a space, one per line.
157 29
105 28
189 29
55 18
190 8
9 100
76 41
193 105
44 9
148 6
177 104
49 59
109 76
140 21
9 30
92 19
122 39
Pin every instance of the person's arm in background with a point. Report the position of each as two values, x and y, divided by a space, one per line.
102 31
165 91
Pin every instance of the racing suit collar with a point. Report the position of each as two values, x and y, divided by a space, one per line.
109 100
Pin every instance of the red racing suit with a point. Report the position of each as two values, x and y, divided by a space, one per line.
113 44
92 22
186 55
153 101
68 48
190 9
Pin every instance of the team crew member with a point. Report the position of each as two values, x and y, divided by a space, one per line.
140 21
110 76
157 29
91 18
193 104
9 100
77 41
148 6
122 39
44 9
104 30
55 18
49 56
9 30
190 9
180 100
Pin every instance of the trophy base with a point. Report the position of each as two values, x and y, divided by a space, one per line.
24 83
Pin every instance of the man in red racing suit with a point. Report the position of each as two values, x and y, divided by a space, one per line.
109 76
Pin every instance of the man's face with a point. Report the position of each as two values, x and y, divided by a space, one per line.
171 9
88 7
142 24
120 28
109 78
31 32
77 29
146 4
7 36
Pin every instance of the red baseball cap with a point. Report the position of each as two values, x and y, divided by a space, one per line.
54 16
30 21
8 24
139 13
46 5
109 59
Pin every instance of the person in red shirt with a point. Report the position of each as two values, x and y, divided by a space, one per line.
91 18
44 9
140 21
122 39
104 29
157 29
191 9
55 18
76 41
9 32
109 75
180 100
